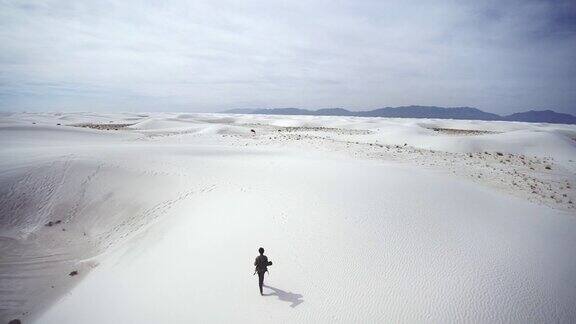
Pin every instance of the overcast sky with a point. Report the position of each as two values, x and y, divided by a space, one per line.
499 56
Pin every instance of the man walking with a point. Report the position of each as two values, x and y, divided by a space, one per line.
261 263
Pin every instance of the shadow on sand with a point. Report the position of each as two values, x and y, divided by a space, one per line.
294 299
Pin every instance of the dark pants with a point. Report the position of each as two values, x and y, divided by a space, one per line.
261 280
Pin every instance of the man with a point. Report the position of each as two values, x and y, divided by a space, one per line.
261 263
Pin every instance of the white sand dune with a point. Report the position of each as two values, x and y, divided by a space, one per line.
162 220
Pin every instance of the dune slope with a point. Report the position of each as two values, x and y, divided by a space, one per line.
164 226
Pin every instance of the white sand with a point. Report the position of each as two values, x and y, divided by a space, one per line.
163 219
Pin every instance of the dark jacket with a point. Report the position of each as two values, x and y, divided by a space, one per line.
261 263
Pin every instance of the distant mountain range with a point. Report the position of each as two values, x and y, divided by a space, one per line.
533 116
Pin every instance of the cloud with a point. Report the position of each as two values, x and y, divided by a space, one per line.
214 55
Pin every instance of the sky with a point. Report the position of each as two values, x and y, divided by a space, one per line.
205 56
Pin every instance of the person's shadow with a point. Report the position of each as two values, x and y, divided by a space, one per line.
290 297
